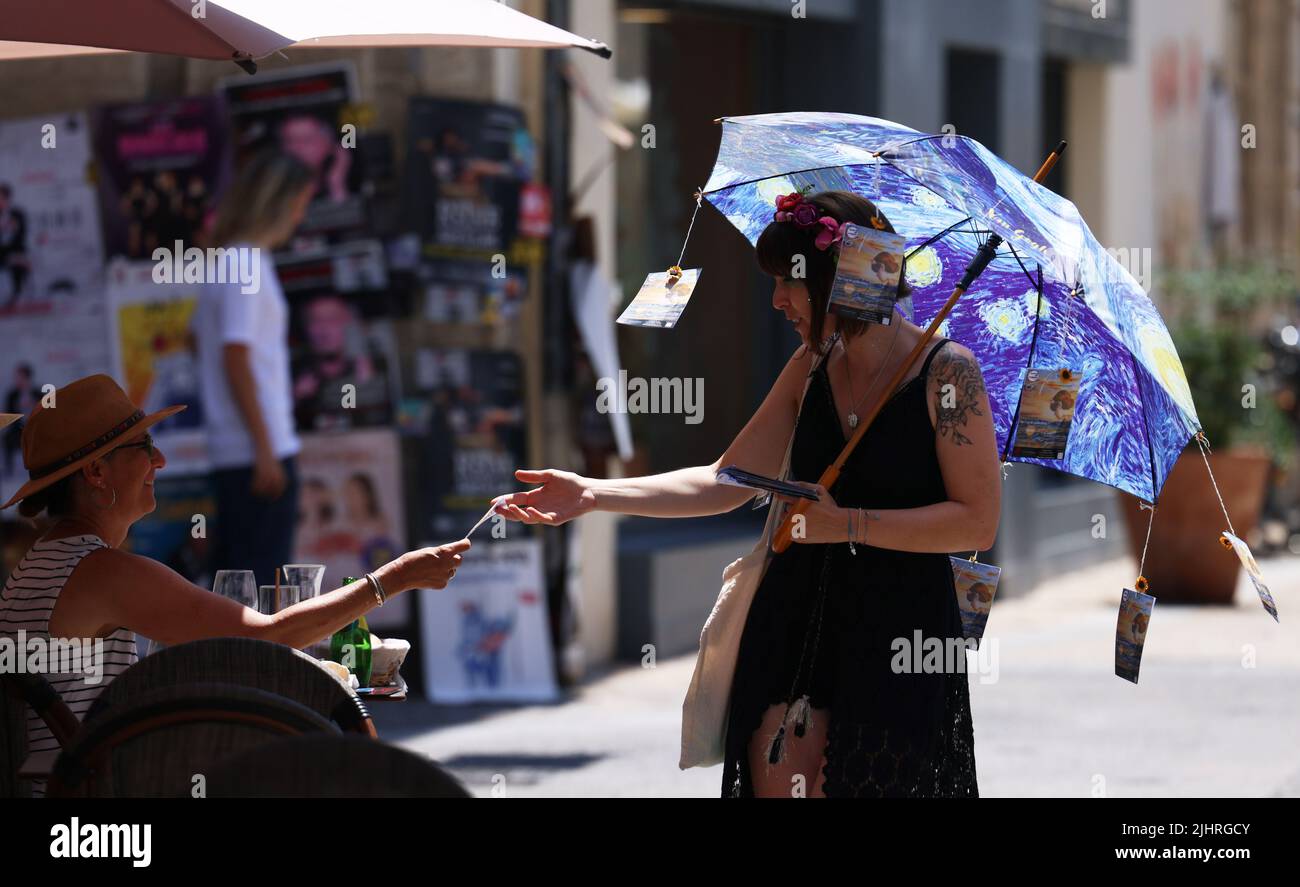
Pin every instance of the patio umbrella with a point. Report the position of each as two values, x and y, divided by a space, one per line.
1052 297
246 30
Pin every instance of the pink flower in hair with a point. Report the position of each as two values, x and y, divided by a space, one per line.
831 232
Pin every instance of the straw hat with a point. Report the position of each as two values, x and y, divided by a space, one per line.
90 417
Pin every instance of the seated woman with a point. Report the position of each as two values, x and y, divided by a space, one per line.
92 465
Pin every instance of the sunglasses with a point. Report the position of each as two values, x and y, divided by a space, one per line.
145 444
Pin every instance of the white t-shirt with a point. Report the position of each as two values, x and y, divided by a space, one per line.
260 320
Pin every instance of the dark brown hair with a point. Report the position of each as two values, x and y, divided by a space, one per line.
55 500
780 242
58 499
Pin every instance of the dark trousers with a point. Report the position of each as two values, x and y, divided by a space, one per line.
253 533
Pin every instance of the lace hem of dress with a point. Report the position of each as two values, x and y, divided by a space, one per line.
868 762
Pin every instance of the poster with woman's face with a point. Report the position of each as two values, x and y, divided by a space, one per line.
350 512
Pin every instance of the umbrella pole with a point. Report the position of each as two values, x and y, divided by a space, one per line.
983 256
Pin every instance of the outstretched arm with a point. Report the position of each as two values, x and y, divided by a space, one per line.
686 492
112 588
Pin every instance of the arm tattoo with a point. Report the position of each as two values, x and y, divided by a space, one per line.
954 405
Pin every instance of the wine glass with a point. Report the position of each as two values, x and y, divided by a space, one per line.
238 585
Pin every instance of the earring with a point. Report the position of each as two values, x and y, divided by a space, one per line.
110 504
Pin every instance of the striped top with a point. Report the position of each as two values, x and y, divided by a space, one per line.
26 602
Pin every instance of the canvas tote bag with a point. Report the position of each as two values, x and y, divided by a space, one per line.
704 712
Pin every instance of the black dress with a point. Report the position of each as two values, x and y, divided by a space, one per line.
824 622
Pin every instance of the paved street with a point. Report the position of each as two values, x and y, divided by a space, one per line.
1055 722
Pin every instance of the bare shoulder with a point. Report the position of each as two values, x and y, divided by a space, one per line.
955 392
112 568
84 602
116 559
796 370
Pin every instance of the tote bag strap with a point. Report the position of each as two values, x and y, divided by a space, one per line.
775 507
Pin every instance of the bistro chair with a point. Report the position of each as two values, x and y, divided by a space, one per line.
20 693
164 742
247 662
322 766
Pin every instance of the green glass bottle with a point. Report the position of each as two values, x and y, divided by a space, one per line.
350 646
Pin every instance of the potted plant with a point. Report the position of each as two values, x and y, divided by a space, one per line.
1216 321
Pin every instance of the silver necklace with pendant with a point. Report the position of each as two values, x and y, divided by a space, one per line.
853 411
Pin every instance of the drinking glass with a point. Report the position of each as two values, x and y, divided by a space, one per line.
238 585
268 605
307 577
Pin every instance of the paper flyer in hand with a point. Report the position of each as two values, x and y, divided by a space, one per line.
867 275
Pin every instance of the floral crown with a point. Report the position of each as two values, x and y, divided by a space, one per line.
793 208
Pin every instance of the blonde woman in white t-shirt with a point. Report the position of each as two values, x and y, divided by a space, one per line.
243 340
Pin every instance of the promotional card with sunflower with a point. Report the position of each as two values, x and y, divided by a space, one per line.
1131 632
867 275
1047 399
661 299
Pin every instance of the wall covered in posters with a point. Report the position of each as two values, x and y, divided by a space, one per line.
79 222
52 319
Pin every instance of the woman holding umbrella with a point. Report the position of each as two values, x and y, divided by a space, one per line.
826 696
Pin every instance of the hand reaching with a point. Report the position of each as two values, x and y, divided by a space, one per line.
561 497
425 567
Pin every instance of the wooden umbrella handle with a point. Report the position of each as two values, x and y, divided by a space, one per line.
785 533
